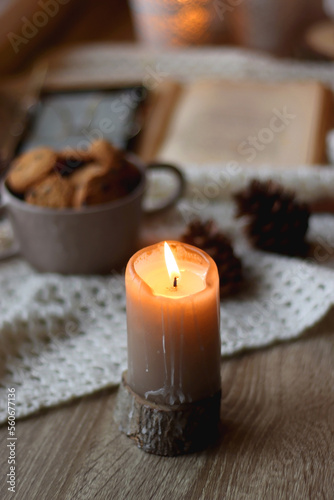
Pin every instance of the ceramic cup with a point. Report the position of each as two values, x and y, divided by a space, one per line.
92 240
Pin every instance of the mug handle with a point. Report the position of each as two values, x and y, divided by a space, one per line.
14 249
175 196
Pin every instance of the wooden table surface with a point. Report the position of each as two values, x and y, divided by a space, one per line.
276 442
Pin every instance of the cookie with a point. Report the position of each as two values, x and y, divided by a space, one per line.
51 192
84 174
29 168
129 175
70 159
102 189
80 180
105 154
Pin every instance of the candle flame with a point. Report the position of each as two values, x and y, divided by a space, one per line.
172 267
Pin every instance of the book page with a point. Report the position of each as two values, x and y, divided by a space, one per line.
250 122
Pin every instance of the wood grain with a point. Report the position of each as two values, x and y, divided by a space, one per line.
276 442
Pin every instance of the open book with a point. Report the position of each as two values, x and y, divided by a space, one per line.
250 122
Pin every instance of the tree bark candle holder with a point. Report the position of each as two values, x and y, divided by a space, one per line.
167 430
169 398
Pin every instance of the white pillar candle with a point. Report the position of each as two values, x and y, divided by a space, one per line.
173 324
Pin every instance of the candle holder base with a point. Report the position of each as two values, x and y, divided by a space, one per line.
167 430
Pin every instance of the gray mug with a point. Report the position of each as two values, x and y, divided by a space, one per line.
91 240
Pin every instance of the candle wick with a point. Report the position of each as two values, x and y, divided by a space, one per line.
175 282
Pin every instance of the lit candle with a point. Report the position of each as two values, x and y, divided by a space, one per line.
173 324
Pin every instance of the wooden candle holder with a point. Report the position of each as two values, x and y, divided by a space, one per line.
167 430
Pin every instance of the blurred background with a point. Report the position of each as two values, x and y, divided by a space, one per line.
294 28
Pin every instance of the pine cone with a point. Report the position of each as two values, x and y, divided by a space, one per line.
277 222
205 235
